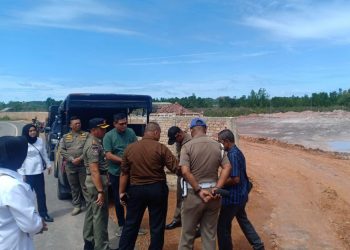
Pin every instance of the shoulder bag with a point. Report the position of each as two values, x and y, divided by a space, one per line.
42 158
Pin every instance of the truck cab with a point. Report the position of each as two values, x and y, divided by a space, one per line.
88 106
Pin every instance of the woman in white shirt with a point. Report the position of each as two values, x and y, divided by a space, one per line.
33 168
18 218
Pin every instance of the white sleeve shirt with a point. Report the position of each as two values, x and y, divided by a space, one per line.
18 219
32 165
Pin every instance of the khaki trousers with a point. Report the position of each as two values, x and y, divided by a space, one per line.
76 176
194 211
96 217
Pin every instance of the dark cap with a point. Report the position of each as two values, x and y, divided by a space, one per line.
13 151
197 122
97 123
172 132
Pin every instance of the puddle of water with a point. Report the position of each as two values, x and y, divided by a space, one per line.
340 146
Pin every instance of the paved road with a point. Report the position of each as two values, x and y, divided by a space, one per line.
66 232
10 128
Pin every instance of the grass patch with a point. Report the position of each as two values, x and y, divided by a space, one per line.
5 118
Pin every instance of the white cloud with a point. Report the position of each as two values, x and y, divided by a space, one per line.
203 54
87 15
258 54
174 59
325 21
64 11
22 89
194 58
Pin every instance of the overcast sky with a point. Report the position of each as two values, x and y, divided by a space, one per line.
173 48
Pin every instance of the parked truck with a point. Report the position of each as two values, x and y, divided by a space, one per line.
87 106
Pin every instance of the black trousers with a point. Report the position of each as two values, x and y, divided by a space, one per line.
227 214
155 198
119 209
37 183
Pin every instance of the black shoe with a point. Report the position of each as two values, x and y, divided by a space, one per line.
173 224
88 245
48 218
198 233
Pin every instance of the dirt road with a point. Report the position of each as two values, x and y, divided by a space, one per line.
307 192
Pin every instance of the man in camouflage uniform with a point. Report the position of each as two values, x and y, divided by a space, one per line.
96 218
71 149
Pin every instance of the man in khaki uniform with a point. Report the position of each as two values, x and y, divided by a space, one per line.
200 160
180 138
71 149
96 218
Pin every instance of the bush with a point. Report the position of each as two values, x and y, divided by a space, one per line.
5 118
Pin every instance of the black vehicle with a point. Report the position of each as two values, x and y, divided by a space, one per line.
52 131
53 110
87 106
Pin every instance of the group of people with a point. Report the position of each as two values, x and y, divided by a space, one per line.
199 206
135 170
93 162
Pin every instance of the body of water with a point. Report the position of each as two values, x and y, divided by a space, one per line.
340 146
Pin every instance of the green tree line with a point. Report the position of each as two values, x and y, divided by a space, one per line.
256 102
262 99
261 102
17 106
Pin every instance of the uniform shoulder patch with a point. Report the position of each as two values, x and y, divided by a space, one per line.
83 135
68 134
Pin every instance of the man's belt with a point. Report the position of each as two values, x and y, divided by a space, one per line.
101 172
205 185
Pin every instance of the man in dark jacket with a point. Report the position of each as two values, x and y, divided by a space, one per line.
143 164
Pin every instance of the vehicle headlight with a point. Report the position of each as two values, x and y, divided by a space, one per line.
54 141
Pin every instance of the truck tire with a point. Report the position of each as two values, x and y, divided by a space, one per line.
55 172
62 193
52 156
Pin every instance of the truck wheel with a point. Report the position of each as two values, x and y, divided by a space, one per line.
62 194
55 172
52 156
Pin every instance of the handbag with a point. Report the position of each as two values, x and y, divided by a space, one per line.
42 158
